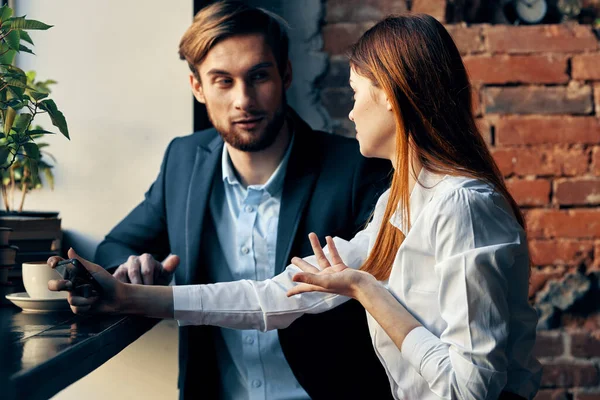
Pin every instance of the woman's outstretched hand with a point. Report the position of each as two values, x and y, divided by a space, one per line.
109 301
333 277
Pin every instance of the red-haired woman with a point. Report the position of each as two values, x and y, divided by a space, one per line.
443 267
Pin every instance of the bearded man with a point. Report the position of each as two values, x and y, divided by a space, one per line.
237 201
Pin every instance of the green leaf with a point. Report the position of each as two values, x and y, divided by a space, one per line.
41 146
25 49
20 138
32 150
37 96
9 120
25 36
16 86
40 132
14 103
13 39
18 172
13 82
16 91
12 69
5 13
7 56
4 152
22 122
57 117
49 177
33 170
22 23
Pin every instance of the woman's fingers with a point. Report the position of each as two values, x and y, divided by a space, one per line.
313 279
81 310
102 276
81 305
59 284
308 282
78 301
318 250
333 252
303 265
52 261
304 288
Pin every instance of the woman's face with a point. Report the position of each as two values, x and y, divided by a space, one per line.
373 118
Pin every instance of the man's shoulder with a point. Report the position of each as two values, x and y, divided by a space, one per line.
189 142
344 151
332 144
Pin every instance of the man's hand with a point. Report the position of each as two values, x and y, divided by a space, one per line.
145 270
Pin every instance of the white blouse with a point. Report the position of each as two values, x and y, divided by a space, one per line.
462 271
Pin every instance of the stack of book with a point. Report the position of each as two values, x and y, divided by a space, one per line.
37 239
7 264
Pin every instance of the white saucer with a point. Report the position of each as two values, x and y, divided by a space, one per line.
30 305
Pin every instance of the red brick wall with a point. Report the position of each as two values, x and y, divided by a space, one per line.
537 99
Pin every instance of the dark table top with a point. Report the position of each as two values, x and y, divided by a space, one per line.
41 354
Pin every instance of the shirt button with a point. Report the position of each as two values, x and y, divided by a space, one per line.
256 383
245 250
249 339
249 209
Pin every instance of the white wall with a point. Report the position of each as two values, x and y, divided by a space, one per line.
125 94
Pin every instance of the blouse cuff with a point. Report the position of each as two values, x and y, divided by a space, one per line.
187 304
416 345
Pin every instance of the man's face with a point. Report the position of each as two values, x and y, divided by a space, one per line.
243 91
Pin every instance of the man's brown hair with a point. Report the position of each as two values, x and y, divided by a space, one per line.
227 18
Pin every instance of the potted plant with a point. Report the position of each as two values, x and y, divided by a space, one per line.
22 100
22 161
19 175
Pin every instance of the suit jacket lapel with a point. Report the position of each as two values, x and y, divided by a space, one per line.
207 159
300 176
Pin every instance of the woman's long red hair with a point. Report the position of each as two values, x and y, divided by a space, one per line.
415 61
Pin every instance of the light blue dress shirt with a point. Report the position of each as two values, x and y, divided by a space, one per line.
251 363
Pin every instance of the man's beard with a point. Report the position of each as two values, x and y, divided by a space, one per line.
259 140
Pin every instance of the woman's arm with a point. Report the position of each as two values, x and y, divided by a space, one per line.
116 297
334 276
148 300
264 305
480 251
241 304
395 320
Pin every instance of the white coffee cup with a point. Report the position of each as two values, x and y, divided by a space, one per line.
36 275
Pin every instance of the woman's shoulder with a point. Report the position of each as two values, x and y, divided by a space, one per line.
456 193
469 199
463 189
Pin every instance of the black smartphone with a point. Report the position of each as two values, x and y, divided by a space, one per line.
83 282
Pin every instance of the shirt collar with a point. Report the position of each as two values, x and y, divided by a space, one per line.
420 195
275 182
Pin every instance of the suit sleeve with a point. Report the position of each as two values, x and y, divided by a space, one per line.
143 230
